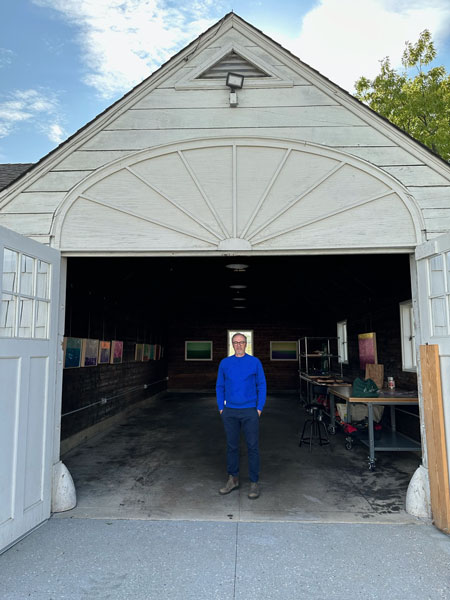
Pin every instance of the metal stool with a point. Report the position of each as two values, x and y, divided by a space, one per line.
317 428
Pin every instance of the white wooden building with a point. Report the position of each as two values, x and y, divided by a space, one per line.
298 167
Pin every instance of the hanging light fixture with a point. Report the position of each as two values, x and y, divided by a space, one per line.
237 267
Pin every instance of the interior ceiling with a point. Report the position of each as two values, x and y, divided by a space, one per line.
322 285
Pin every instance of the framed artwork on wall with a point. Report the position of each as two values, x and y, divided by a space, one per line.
198 350
72 352
116 352
139 352
367 344
104 352
284 351
152 351
89 353
146 353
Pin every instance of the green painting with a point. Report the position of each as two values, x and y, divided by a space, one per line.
201 350
283 351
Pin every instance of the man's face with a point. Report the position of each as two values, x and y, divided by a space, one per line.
239 345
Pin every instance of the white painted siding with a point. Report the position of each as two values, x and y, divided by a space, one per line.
285 116
27 224
326 136
303 95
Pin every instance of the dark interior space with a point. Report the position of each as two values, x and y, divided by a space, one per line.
172 299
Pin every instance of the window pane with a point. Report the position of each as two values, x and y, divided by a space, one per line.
439 316
40 329
26 275
342 341
7 314
10 262
408 335
42 279
437 275
25 317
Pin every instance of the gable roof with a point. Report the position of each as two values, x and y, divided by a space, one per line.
187 51
9 172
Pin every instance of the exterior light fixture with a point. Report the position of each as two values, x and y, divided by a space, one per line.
239 307
238 287
237 267
234 82
239 299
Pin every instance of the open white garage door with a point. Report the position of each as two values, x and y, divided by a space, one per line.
433 276
29 291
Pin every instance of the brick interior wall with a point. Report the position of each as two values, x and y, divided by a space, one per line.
280 375
96 393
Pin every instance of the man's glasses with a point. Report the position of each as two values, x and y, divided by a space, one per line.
238 343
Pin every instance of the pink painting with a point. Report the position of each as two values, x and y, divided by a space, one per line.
367 343
116 352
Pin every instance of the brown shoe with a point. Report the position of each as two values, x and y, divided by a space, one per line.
254 491
231 484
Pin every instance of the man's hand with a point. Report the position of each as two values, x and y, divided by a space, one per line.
259 412
220 411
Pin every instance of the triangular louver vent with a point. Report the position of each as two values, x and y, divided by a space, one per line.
234 63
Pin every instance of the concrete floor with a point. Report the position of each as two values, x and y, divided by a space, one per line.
168 461
112 559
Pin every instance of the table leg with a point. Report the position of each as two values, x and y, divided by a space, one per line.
332 426
371 439
393 424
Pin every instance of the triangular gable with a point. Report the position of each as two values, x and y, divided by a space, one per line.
262 74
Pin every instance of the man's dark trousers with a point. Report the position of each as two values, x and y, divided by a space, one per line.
247 420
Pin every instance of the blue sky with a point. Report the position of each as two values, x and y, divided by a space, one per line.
62 62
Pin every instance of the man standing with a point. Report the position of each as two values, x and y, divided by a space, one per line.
241 395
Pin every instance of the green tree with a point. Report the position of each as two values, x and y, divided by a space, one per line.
419 104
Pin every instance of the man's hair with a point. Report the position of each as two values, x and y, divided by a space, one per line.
241 334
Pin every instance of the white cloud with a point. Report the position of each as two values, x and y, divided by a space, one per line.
5 57
124 41
38 108
345 39
56 133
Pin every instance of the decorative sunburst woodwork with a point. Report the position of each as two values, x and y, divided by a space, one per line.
237 195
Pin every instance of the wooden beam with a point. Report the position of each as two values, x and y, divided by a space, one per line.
436 443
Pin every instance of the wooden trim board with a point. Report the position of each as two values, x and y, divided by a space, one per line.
435 433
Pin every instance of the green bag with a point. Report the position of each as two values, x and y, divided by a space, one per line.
364 388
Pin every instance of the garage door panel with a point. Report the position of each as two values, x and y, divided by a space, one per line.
35 431
9 408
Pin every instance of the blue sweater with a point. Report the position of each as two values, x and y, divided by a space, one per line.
241 383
